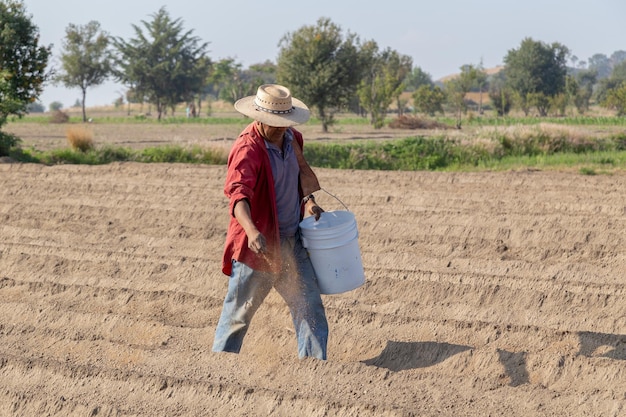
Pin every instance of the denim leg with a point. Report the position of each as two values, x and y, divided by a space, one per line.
298 287
246 291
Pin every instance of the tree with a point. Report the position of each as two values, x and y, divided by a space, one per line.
22 66
230 82
616 99
619 72
417 78
222 74
85 59
582 89
23 61
55 106
614 81
601 64
165 65
458 87
321 67
618 57
203 72
535 72
480 80
382 82
265 71
429 99
35 107
501 96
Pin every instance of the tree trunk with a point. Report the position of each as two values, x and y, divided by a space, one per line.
324 121
159 107
83 103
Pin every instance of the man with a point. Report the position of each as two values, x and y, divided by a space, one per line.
270 186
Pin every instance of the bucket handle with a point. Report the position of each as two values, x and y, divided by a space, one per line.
336 198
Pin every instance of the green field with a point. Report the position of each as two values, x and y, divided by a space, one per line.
590 145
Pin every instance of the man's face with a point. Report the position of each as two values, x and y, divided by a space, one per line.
272 133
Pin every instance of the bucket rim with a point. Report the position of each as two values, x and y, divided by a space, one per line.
309 222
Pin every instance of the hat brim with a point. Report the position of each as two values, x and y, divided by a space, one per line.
300 113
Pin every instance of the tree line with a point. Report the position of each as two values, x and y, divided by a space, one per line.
333 71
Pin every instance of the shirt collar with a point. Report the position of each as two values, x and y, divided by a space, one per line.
287 140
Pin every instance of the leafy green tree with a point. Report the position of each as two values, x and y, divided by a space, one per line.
382 82
559 103
202 70
616 99
223 73
457 88
55 106
613 82
230 81
429 99
22 66
500 95
23 61
413 81
321 66
581 89
417 78
502 99
480 82
535 72
162 64
601 64
85 59
619 71
540 101
264 71
618 57
35 107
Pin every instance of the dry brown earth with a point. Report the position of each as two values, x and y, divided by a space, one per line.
487 294
45 136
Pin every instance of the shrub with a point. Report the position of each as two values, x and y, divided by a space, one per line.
80 138
7 141
108 154
55 106
69 156
620 141
35 107
413 122
58 116
587 171
175 153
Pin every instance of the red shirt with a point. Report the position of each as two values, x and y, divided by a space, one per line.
249 177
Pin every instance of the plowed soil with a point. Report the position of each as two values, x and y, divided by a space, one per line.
486 294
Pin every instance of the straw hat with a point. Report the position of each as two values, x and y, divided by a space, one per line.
274 106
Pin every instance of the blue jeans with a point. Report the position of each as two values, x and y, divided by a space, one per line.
297 285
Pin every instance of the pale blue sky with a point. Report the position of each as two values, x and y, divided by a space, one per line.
440 35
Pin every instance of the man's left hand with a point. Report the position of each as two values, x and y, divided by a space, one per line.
315 210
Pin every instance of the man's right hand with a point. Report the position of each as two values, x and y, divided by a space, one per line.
256 242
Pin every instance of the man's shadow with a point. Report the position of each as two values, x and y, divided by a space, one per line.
400 356
514 366
614 344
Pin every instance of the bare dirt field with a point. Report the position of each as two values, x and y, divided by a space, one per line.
487 294
45 136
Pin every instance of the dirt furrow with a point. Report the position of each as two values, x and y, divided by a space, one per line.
486 293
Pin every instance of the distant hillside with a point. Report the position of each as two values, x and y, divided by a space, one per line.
489 71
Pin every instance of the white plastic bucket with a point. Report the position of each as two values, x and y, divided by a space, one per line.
333 246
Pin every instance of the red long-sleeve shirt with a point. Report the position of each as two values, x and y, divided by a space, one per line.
249 177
